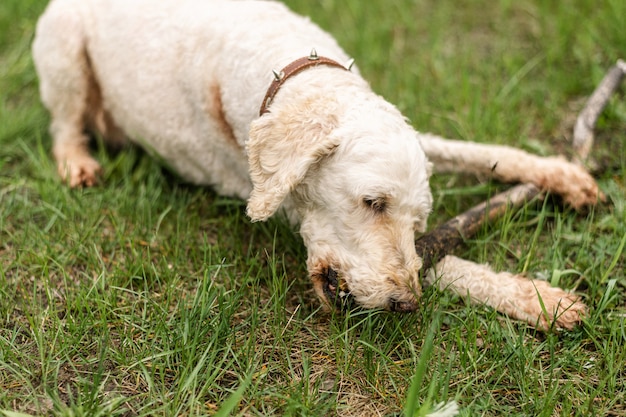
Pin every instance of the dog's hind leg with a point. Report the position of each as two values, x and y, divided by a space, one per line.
533 301
509 164
67 89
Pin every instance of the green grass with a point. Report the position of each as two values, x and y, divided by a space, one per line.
146 296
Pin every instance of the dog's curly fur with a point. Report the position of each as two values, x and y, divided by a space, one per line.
185 79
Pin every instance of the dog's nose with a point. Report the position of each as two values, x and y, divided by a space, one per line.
402 306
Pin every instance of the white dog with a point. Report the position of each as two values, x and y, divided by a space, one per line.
186 79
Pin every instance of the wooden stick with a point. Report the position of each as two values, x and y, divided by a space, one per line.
442 240
586 121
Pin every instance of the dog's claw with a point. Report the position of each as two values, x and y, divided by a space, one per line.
80 171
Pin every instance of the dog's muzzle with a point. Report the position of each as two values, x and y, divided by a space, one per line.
338 295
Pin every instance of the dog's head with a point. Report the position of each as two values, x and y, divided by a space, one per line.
359 181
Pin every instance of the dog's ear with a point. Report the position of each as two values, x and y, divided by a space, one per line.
281 148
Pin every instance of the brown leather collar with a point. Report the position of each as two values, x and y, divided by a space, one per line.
292 69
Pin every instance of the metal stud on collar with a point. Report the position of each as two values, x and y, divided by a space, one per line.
278 75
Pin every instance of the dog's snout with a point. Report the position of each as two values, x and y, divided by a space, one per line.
402 306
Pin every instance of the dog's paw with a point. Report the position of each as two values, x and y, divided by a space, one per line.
553 307
80 170
570 181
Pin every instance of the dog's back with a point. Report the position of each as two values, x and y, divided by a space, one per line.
184 78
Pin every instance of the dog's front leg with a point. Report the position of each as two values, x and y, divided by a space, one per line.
533 301
508 164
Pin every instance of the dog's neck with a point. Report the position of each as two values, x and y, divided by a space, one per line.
292 69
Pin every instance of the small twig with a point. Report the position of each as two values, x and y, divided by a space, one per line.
586 122
442 240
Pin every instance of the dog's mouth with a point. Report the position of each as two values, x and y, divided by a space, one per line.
402 306
336 291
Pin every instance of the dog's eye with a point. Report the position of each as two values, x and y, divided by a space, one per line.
377 204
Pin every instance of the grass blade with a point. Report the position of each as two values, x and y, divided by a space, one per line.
412 405
233 399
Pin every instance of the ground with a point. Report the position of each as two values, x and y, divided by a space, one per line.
147 296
